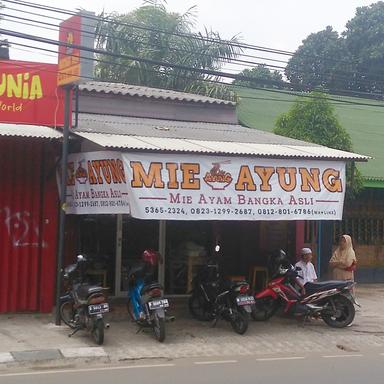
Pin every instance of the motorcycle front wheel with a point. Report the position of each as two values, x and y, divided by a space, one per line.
130 310
239 322
344 314
67 313
264 309
159 328
98 331
199 308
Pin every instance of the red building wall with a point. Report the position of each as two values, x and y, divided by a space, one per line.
28 224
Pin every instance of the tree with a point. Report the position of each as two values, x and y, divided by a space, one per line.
352 61
321 61
263 77
120 34
364 39
313 119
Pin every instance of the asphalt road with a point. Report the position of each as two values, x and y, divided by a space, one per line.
348 368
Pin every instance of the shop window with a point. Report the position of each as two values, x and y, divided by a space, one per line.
310 232
97 240
187 247
363 230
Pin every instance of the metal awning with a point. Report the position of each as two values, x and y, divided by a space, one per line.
24 130
145 134
132 142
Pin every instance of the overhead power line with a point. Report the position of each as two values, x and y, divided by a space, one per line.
340 76
210 72
61 20
158 63
143 27
334 101
55 28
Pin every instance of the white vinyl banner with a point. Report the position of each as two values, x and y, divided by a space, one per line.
96 183
195 187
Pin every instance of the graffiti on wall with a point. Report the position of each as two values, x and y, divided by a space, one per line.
22 228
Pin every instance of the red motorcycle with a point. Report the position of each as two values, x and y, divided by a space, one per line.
331 301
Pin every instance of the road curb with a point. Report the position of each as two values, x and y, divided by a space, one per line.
49 355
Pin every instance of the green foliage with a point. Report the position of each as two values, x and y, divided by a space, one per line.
150 43
313 119
263 77
321 61
352 61
364 38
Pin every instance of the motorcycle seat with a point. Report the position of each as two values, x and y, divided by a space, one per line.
84 290
150 286
234 284
325 285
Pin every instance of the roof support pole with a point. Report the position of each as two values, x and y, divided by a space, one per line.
162 245
63 193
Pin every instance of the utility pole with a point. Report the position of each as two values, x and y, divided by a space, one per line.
63 198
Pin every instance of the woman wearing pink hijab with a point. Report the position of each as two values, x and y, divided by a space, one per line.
343 262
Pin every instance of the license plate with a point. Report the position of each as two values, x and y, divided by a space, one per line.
245 300
96 309
157 304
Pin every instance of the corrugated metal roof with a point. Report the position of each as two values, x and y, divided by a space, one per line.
156 93
179 130
23 130
132 142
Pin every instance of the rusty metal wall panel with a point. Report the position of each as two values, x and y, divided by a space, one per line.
28 224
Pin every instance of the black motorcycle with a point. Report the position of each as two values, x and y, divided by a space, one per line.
213 298
83 305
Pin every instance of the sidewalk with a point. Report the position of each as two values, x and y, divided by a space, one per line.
26 339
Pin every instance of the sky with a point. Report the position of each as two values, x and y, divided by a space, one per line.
279 24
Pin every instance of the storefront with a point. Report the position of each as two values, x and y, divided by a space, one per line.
28 217
184 203
29 149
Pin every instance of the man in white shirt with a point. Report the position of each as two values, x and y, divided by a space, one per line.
307 273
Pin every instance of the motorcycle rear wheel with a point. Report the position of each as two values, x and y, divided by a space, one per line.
98 331
347 313
239 322
159 328
198 308
67 313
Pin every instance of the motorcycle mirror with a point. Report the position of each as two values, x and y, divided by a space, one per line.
217 248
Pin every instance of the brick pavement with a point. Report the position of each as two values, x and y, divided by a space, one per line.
189 338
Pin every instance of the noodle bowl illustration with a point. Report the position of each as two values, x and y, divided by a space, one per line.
217 178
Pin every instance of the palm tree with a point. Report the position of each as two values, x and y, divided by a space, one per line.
140 33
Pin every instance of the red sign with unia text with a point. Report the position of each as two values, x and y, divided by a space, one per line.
29 94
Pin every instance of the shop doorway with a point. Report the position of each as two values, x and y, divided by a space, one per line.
97 240
188 245
133 237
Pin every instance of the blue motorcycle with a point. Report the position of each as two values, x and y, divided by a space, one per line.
147 305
